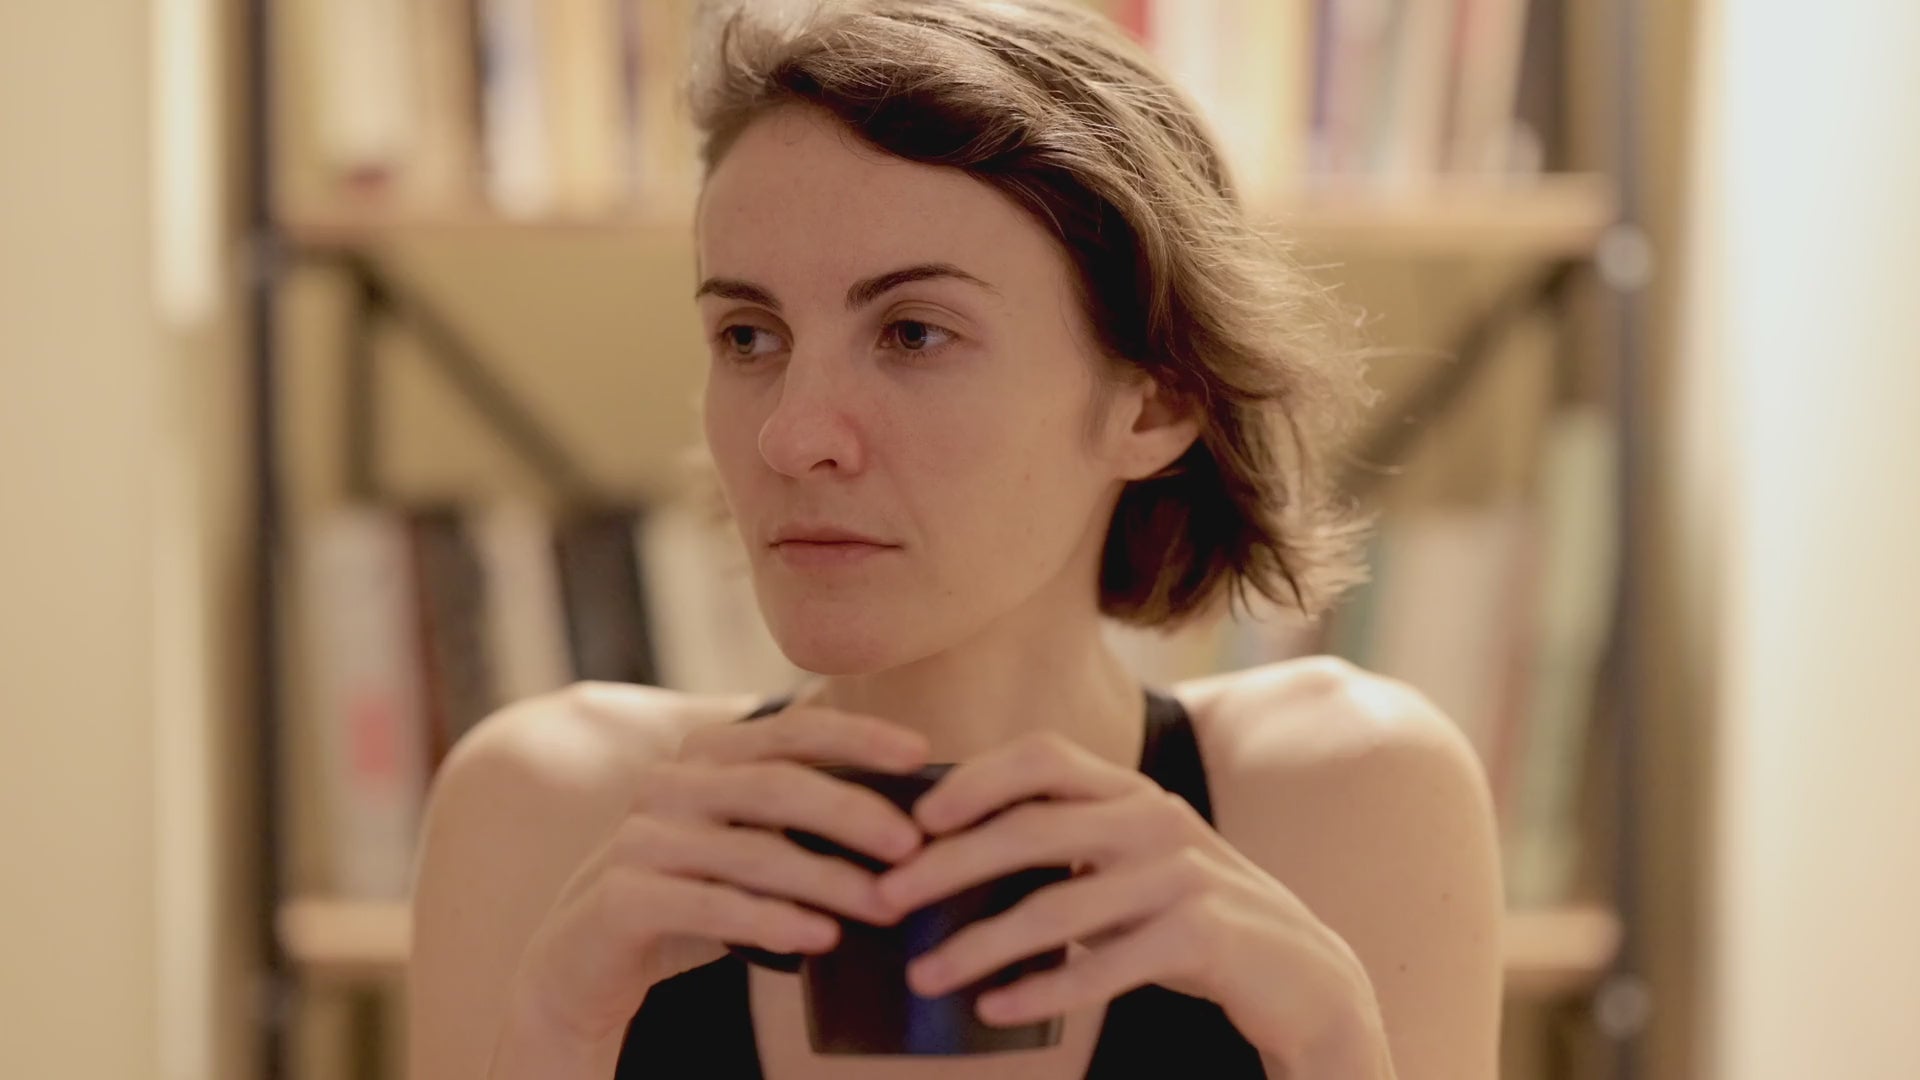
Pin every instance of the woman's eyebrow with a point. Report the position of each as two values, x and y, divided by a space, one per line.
861 293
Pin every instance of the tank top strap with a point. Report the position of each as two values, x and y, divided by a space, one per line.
1170 755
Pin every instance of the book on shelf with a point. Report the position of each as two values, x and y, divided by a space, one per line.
362 91
603 592
584 65
1480 132
439 164
362 651
526 614
515 168
450 610
574 109
1537 139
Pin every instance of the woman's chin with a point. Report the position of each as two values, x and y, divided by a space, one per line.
840 645
836 656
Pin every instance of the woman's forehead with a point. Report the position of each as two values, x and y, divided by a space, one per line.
799 192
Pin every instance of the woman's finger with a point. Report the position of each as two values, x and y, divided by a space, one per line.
1176 946
1082 834
1042 765
1085 909
643 906
809 733
757 860
1035 834
782 794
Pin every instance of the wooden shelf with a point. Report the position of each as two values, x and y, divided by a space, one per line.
1557 216
1528 217
346 939
1559 950
1548 952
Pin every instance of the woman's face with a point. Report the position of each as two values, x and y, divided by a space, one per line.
895 353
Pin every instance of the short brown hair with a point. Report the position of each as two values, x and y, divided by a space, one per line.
1060 110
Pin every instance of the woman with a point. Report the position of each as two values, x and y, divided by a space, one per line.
994 355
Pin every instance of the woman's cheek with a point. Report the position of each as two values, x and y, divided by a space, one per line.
732 429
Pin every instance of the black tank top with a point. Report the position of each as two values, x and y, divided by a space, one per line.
697 1024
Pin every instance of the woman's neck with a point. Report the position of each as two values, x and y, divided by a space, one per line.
1001 685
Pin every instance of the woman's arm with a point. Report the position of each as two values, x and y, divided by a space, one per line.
530 1047
1401 860
515 808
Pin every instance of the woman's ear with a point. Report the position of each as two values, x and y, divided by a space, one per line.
1154 428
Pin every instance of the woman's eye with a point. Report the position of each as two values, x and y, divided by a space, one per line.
911 336
738 339
915 336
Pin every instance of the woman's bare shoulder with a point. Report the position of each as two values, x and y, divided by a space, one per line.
1314 759
537 785
518 805
590 735
1306 711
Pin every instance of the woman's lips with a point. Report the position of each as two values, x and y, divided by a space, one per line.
828 555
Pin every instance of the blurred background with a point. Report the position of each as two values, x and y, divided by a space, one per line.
348 368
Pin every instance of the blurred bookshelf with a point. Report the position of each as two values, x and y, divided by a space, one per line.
1392 131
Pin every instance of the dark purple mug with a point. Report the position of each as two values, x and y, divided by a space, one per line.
857 997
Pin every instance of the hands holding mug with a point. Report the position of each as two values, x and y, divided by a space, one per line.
1002 863
1141 899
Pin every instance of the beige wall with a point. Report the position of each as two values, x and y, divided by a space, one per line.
81 357
1802 337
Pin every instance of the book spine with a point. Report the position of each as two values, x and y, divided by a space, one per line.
371 727
526 623
443 166
453 616
580 68
1579 566
605 604
519 168
366 115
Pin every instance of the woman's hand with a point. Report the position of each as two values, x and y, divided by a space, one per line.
699 861
1158 897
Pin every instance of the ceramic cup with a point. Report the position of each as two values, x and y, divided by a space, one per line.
857 997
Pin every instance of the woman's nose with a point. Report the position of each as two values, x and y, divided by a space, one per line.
810 428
